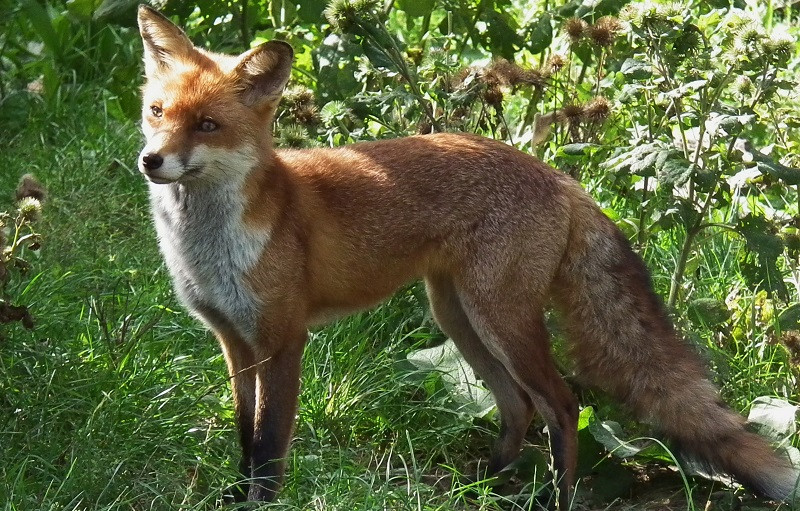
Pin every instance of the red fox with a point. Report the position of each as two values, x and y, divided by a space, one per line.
261 243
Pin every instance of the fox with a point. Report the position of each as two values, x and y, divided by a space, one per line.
261 244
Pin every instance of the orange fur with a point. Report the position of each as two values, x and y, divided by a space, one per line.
263 243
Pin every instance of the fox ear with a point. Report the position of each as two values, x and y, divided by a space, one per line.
264 70
163 41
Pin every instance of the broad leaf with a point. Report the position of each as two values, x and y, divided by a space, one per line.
708 311
541 34
773 417
653 159
635 69
758 233
458 377
577 149
789 318
311 11
416 8
503 35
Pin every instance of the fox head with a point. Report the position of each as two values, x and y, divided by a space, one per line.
205 116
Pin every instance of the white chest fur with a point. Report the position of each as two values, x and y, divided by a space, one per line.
209 251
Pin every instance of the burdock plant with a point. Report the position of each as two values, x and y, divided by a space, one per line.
18 237
360 19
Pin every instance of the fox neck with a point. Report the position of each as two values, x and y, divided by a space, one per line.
210 249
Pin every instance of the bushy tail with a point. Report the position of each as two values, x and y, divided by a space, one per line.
624 343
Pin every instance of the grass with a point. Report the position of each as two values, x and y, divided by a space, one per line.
119 401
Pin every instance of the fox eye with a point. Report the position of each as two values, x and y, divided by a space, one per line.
207 126
156 111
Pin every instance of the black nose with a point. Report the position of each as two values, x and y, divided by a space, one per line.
152 161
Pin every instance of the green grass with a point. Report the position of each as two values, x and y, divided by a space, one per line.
118 400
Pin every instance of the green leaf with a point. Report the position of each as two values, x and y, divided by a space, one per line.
609 434
687 88
774 418
416 8
43 25
599 8
577 149
789 175
502 34
644 160
612 481
530 466
758 233
468 394
708 311
675 171
789 318
541 34
653 159
376 55
760 267
635 69
83 8
122 11
311 11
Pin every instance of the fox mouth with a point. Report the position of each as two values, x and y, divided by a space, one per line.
192 172
158 180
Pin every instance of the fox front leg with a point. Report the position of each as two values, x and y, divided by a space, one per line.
277 385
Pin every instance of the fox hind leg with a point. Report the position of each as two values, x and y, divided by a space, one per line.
515 407
516 335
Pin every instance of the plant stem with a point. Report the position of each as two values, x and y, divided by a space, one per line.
244 29
680 269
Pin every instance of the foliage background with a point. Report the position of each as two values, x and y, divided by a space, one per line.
680 119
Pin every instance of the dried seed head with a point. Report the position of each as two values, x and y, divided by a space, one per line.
556 62
501 72
424 127
597 110
508 74
791 340
575 28
298 95
308 115
691 41
340 14
493 96
460 77
571 114
29 186
604 32
750 36
534 77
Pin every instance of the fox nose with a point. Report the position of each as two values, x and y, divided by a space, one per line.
152 161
